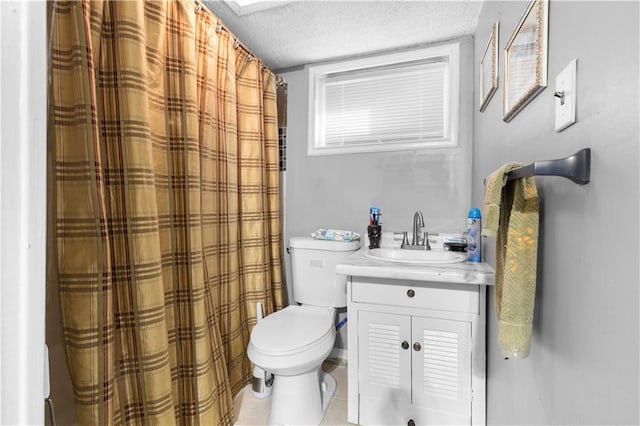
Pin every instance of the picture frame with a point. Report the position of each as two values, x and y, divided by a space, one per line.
525 59
488 70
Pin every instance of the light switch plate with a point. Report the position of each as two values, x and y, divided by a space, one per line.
565 97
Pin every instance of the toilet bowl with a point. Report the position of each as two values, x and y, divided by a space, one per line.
293 343
293 340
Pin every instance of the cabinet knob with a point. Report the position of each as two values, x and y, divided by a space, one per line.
411 293
405 345
417 347
411 423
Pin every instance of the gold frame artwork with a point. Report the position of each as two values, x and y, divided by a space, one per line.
488 73
525 59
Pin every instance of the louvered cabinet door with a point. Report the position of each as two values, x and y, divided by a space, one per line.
441 366
384 364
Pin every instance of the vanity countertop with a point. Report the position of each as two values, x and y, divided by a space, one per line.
459 273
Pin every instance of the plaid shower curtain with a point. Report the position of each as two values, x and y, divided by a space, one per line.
167 208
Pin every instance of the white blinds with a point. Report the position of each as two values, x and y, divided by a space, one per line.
393 105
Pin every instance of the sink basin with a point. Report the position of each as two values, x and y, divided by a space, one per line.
422 257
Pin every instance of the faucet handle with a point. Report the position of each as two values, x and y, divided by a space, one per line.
405 240
425 241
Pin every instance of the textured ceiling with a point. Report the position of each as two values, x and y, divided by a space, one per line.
305 32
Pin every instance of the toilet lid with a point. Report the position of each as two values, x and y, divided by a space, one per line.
292 329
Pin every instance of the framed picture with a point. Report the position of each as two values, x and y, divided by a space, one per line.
525 59
489 69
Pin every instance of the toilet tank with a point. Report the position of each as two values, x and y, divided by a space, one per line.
313 267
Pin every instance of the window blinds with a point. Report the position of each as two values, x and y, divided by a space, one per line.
387 105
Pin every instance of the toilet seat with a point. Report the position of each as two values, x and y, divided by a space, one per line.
292 330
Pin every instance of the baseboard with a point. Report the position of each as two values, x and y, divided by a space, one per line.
338 355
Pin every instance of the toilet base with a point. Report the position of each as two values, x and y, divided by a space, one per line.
301 399
328 387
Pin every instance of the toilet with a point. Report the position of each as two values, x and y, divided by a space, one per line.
293 343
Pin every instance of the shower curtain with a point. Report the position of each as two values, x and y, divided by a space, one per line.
167 208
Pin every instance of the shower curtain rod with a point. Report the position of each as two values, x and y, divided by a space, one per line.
200 5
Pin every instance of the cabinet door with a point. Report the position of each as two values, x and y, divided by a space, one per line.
441 366
384 366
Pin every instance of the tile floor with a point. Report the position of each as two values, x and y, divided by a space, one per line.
253 411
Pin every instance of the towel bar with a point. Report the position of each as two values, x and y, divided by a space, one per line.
576 167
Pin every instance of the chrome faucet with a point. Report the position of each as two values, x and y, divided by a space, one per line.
416 244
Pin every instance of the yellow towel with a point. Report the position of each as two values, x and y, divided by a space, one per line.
511 209
492 197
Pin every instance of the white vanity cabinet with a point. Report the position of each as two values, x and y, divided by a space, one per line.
416 353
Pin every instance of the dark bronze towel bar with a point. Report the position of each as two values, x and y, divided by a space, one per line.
576 168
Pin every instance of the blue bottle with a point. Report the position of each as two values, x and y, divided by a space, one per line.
473 236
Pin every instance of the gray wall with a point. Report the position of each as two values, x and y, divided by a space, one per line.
583 366
336 191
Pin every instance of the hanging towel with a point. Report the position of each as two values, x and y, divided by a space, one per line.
511 215
492 196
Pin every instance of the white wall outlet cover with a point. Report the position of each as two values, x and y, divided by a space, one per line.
565 97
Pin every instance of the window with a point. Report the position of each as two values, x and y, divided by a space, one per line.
406 100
